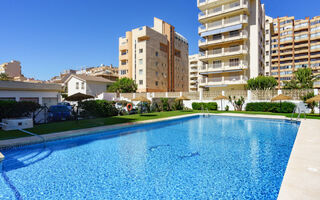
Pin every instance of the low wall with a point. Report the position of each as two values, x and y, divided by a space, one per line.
225 103
250 96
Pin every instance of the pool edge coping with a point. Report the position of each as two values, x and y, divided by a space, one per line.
1 157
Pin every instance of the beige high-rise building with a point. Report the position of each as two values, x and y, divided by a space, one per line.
194 66
268 34
155 57
295 44
232 44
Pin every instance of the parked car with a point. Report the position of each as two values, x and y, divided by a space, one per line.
59 113
65 104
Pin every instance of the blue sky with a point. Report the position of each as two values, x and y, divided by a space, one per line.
49 36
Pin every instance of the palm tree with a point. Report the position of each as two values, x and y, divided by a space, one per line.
303 79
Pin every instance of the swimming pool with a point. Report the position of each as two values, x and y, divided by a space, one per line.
197 157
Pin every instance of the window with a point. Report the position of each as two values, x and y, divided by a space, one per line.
156 64
217 64
77 85
124 62
157 83
140 71
267 42
267 63
140 61
140 82
234 33
234 62
82 85
140 50
123 72
267 53
157 73
267 31
157 53
217 37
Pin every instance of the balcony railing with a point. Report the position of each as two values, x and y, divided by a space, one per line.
223 8
236 79
241 49
224 23
224 38
224 66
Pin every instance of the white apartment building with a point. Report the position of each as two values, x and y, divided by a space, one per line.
194 77
232 42
268 43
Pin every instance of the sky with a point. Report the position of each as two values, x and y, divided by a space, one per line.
49 36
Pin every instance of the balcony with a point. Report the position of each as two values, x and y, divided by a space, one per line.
226 8
194 75
240 19
123 56
204 4
316 84
223 52
224 38
224 67
193 69
223 80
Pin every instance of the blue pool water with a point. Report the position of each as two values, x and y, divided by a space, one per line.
193 158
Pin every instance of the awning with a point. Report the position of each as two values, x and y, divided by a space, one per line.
222 30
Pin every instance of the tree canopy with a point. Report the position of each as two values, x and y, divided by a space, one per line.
4 77
262 83
303 79
123 85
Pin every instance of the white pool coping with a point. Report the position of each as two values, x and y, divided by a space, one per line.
1 157
302 176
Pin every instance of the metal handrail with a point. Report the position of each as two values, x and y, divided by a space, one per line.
299 115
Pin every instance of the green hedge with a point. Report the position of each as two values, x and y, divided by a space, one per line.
99 108
286 107
205 106
13 109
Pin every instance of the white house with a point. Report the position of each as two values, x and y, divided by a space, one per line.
44 94
90 85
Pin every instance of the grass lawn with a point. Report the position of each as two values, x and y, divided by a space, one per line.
90 123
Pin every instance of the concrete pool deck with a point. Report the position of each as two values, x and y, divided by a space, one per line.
302 176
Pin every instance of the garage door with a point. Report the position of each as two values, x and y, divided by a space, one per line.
48 101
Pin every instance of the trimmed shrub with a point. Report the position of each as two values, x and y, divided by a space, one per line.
205 106
286 107
13 109
99 108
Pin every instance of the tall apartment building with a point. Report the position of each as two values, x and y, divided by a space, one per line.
232 44
295 44
194 77
11 69
155 57
268 34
